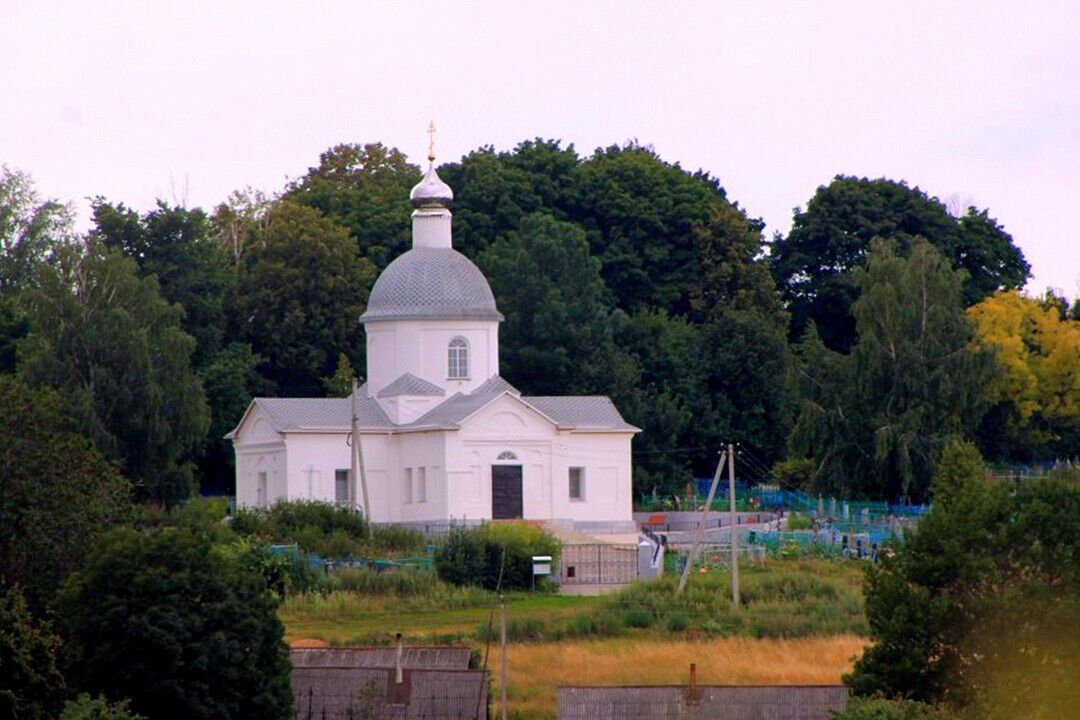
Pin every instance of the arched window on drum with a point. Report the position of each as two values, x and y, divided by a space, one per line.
458 359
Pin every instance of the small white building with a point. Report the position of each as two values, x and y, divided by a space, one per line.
443 436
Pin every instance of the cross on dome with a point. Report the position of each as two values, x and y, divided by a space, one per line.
431 192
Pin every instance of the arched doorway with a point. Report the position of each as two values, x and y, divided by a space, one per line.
506 491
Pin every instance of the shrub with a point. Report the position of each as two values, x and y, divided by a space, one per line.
677 622
326 529
87 708
637 619
798 521
494 555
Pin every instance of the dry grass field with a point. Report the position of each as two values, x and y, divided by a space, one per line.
536 670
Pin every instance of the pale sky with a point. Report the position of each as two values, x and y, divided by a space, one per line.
975 101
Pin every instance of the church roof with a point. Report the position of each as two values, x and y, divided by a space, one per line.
586 412
589 412
314 414
431 283
409 384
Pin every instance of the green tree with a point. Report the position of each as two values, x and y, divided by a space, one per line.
544 278
642 216
57 493
31 687
494 191
175 245
814 265
978 608
300 289
30 229
85 707
363 189
877 419
340 383
113 347
231 380
170 621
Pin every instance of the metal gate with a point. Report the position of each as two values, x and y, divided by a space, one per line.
598 564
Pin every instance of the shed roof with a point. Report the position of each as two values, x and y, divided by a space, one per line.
431 658
715 702
347 693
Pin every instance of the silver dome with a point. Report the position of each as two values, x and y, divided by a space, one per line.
431 191
431 284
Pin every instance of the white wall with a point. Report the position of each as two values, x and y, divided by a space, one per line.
545 454
415 451
259 449
420 347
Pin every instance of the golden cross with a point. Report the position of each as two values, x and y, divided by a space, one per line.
431 143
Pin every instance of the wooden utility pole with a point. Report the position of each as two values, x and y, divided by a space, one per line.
734 527
358 457
502 662
701 524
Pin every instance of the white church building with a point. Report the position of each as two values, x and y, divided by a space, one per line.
442 436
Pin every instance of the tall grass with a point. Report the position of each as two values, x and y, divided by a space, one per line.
536 670
328 530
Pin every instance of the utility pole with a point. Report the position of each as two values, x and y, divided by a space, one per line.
358 457
502 661
701 524
734 527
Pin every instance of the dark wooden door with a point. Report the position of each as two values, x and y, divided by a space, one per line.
506 492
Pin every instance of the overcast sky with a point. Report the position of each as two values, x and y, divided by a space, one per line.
975 102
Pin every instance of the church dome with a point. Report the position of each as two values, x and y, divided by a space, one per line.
431 283
431 192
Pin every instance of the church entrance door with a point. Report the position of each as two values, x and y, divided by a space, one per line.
506 495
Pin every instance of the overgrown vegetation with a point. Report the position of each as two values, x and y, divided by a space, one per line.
326 529
494 555
979 608
785 599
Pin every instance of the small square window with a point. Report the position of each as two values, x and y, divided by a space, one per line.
571 571
577 483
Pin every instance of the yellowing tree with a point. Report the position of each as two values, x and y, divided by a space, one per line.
1038 390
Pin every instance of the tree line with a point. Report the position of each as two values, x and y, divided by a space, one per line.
844 354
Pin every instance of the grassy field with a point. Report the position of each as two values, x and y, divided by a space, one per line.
786 598
801 622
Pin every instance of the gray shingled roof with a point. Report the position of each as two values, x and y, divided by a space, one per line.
442 657
350 693
409 384
584 412
715 702
431 284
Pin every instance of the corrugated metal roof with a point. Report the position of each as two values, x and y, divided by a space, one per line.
593 412
409 384
581 412
431 658
349 693
292 414
715 702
